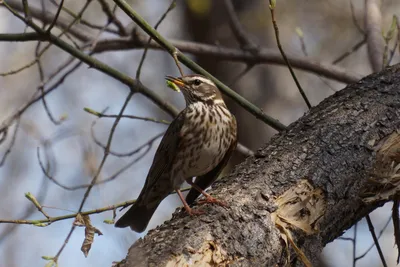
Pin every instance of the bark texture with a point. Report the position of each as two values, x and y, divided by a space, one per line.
311 182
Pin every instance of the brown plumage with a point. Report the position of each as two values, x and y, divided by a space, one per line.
198 143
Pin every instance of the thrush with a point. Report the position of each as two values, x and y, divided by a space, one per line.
198 143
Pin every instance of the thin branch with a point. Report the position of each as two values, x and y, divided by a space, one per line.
396 226
278 42
352 50
355 244
354 18
82 20
378 247
112 18
41 86
3 132
164 15
148 146
35 98
304 49
48 221
36 203
238 30
55 17
117 154
246 70
102 115
13 138
373 244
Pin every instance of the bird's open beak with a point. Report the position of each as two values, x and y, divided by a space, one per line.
174 83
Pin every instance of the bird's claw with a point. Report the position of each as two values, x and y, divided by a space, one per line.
194 212
213 201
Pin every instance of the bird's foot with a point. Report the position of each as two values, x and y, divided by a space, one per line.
194 212
210 199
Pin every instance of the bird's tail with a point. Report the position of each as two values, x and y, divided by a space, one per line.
137 217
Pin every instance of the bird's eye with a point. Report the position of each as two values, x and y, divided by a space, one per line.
197 82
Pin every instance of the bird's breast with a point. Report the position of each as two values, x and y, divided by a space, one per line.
206 136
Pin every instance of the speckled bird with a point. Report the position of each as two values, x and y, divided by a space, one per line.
198 143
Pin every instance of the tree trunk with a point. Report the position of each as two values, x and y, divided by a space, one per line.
302 190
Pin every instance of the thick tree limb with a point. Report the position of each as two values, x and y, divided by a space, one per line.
312 182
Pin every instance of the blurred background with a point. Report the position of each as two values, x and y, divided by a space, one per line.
68 150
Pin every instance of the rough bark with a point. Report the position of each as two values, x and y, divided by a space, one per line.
315 180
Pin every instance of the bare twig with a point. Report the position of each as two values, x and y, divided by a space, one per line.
278 42
82 20
48 221
112 18
60 6
12 142
36 203
354 18
170 7
396 225
304 49
126 154
241 74
175 57
148 146
376 241
353 49
240 33
387 58
41 86
102 115
373 244
36 98
355 244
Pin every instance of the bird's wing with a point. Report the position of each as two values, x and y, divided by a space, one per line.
209 178
166 152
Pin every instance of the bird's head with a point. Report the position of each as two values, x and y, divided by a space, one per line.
196 88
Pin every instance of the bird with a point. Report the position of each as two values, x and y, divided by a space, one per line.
198 143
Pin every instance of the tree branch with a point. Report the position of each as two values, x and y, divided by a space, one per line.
312 182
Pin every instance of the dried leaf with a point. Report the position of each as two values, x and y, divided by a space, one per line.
90 231
79 220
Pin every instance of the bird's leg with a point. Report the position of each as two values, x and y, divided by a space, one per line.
187 208
209 198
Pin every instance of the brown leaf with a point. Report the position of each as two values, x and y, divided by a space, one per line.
90 230
79 220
